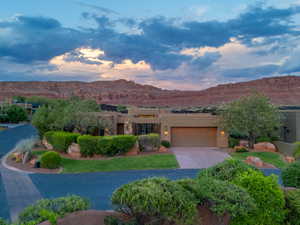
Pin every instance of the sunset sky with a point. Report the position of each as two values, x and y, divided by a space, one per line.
172 44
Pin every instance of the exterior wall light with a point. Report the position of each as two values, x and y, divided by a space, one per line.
166 133
222 133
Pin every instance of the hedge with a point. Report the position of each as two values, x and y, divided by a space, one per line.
61 140
149 142
116 145
88 145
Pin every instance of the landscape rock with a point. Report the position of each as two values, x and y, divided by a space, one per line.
163 149
47 144
32 162
244 143
74 150
289 159
281 90
255 161
265 147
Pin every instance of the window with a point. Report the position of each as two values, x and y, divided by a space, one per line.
146 128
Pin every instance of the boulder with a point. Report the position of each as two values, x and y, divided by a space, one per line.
265 147
32 162
74 150
134 150
255 161
47 144
244 143
289 159
163 149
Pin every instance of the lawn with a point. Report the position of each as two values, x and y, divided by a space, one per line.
268 157
143 162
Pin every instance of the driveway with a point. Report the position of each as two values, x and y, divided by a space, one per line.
198 157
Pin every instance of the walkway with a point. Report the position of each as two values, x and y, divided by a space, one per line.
17 190
198 157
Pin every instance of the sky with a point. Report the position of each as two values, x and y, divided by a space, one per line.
171 44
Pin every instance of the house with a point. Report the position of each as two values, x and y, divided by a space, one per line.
290 130
181 129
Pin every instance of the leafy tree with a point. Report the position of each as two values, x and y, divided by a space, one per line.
69 115
253 116
16 114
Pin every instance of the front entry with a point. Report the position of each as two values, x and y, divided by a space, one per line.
194 137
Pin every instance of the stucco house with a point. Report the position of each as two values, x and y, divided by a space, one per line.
181 129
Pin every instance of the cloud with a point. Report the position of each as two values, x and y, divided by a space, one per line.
253 72
29 39
98 8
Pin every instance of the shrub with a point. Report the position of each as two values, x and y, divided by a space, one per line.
297 150
149 142
3 222
105 146
16 114
240 149
292 199
115 145
50 160
232 142
227 170
123 143
268 196
220 196
48 136
165 143
156 201
58 206
61 140
291 175
26 145
88 145
263 139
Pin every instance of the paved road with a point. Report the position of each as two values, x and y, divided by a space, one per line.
198 157
97 187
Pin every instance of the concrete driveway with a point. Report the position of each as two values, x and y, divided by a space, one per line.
198 157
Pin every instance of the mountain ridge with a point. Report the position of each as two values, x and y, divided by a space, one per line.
283 90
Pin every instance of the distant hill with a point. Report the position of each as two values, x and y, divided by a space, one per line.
281 90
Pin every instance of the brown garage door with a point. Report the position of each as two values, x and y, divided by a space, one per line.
193 137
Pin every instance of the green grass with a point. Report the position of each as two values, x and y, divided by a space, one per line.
160 161
268 157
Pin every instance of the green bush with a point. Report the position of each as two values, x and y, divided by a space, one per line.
61 140
16 114
241 149
116 145
123 143
88 145
291 175
292 204
268 196
48 136
297 150
156 201
165 143
3 222
263 139
149 142
227 170
220 196
50 160
59 206
105 146
232 142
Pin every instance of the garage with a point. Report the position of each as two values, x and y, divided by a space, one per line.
194 136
